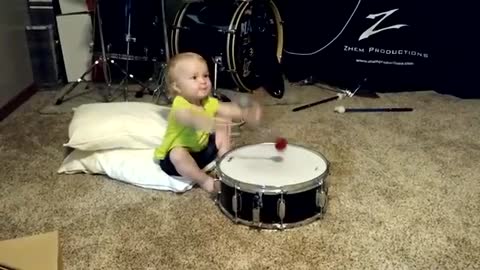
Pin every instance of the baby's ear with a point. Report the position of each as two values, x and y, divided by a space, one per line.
175 88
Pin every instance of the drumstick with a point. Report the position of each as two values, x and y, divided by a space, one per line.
6 267
272 158
272 134
303 107
245 101
341 109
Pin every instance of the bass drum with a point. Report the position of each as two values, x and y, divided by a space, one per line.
239 36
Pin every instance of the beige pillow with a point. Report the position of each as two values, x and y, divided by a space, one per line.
133 125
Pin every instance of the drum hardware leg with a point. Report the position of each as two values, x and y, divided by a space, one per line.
217 60
60 97
160 80
161 89
103 60
257 205
127 76
128 39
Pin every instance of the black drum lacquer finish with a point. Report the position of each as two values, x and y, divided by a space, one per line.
296 209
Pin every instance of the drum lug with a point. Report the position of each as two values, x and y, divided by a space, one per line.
321 198
236 203
256 215
257 204
281 208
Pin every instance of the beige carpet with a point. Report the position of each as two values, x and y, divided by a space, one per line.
404 194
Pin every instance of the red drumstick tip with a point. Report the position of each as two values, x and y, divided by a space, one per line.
281 144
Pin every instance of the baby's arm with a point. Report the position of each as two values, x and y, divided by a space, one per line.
197 120
233 111
226 110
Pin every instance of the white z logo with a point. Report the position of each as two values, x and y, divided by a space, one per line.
371 31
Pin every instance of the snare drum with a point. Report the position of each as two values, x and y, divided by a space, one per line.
224 32
262 187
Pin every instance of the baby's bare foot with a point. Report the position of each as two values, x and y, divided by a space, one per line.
208 185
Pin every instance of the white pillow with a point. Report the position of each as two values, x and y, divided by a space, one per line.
133 166
133 125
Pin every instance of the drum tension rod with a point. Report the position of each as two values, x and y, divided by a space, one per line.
257 205
281 208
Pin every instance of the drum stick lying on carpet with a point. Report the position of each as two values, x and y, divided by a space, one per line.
341 109
303 107
5 267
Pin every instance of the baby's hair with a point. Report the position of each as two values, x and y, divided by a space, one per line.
171 68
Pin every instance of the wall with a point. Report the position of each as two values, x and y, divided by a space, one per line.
15 66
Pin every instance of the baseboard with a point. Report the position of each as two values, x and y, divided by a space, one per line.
17 101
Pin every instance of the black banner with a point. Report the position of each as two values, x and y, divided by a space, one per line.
395 45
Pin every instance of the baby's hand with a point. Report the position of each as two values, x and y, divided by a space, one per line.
253 114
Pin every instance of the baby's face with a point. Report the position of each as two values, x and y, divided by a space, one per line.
192 79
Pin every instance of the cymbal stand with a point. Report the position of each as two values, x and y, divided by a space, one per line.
128 39
104 60
161 89
160 70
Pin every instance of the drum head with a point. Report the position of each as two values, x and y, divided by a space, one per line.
258 165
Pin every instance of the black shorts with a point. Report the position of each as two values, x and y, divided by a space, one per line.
203 158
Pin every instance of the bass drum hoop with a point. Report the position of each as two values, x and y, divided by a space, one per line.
175 30
273 190
230 45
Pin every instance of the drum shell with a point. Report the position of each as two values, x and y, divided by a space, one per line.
300 208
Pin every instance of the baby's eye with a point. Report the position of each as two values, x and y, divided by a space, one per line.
206 75
194 77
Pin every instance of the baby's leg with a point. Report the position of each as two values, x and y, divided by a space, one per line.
223 137
187 167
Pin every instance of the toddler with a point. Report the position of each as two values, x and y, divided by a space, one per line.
197 132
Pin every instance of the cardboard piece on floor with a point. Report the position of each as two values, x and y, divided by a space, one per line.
39 252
